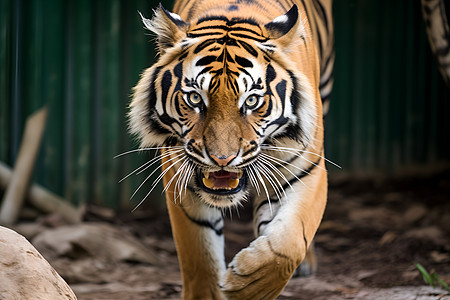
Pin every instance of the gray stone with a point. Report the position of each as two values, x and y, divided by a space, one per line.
25 274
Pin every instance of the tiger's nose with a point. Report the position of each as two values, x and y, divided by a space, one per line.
223 160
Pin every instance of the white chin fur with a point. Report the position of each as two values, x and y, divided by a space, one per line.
222 201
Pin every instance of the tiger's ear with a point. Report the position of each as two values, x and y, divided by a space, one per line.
168 27
284 28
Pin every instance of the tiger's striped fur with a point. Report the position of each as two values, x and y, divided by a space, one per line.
438 31
234 103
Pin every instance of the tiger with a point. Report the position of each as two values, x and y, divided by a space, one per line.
438 32
235 104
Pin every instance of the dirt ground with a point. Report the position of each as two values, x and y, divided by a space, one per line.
372 235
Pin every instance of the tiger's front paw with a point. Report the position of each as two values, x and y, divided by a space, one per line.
258 272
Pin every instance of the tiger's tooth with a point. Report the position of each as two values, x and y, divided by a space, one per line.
206 174
208 182
233 183
239 174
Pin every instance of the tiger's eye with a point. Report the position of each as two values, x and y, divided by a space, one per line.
195 98
251 101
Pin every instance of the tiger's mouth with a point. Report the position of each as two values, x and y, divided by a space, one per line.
221 182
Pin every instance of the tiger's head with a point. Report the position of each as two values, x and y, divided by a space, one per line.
224 87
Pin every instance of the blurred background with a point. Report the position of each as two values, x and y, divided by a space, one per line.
388 116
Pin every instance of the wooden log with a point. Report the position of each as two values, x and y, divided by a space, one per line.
23 169
43 199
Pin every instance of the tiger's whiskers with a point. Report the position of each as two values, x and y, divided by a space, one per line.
295 152
158 179
149 163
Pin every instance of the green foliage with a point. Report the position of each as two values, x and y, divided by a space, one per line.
432 279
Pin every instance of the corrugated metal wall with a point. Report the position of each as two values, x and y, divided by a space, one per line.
390 107
81 58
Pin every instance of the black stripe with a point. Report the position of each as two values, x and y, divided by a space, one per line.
206 223
206 60
166 83
252 149
214 27
178 107
304 236
263 223
212 18
232 8
203 45
246 73
269 109
249 21
156 126
183 56
187 131
280 122
225 57
231 84
295 97
249 48
270 76
206 69
196 151
319 39
292 131
195 35
287 185
284 8
244 36
321 12
152 90
243 61
256 86
178 72
191 10
293 158
304 173
326 82
277 253
227 28
256 131
265 202
307 14
234 29
281 91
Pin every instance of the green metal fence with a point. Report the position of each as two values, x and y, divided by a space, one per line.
390 107
81 58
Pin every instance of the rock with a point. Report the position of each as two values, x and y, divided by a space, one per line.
414 213
25 274
363 274
387 238
403 292
440 257
375 215
431 233
101 241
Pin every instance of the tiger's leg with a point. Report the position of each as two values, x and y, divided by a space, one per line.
309 264
198 233
285 230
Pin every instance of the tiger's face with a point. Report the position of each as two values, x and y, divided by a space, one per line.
219 92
